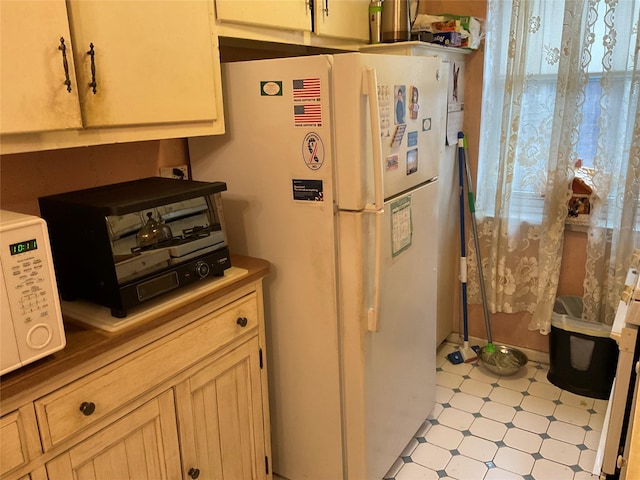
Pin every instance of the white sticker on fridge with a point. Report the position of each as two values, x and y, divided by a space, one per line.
313 151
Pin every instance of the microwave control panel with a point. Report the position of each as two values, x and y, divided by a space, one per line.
31 318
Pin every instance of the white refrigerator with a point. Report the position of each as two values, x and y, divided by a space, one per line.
331 165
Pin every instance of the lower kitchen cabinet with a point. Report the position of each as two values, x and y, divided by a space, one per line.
220 416
182 396
143 444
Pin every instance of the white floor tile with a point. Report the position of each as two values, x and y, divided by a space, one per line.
431 456
413 471
546 469
587 459
592 439
448 379
482 376
567 433
516 384
514 460
478 448
522 440
498 412
585 476
531 422
475 387
459 369
506 396
573 415
596 421
538 405
544 390
500 474
465 468
457 419
444 394
444 437
488 429
574 400
560 452
466 402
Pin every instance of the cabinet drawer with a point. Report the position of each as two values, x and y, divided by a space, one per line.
20 442
88 400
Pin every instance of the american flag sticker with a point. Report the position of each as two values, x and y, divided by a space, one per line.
307 115
306 88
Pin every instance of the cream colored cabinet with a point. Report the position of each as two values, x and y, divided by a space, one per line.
220 415
188 401
33 94
283 14
339 19
143 444
19 437
90 66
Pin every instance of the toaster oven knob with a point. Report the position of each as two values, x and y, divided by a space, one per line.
202 269
87 408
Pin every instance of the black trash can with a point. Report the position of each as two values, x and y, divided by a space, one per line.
582 356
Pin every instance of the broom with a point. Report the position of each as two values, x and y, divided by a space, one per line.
466 353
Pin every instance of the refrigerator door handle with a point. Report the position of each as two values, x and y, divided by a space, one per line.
370 84
373 314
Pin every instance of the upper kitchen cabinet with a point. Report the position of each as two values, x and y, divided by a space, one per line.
306 22
37 59
127 71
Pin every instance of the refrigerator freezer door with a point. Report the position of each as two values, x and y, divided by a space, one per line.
389 375
272 159
411 99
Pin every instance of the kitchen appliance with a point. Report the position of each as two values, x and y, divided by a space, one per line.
30 316
618 455
123 244
396 23
332 166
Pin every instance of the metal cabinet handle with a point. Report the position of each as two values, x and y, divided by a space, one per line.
242 321
87 408
326 7
63 48
193 473
92 53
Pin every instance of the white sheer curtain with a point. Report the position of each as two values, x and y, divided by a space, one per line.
561 87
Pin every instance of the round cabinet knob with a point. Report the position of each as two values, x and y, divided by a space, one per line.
202 269
242 321
87 408
193 473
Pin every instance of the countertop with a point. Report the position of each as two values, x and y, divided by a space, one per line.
86 343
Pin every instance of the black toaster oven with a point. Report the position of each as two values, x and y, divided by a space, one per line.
123 244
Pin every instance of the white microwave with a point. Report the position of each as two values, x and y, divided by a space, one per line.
30 318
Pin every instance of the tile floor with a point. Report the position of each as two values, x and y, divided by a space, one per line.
485 427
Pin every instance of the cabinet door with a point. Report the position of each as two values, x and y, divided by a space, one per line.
33 95
20 441
220 416
141 445
285 14
153 61
343 19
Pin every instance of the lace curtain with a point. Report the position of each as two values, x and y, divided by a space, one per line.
561 88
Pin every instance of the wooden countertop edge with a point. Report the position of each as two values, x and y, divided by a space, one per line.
89 348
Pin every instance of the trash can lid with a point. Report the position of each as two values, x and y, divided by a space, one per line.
568 305
577 325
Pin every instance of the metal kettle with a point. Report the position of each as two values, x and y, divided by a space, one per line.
396 23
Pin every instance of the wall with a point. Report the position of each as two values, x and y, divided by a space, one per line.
26 176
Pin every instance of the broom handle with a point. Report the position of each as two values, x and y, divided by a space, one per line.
463 257
474 228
